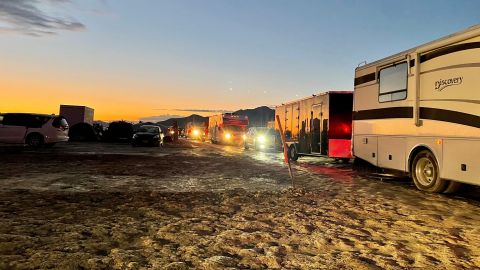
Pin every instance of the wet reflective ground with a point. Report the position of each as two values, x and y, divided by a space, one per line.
197 205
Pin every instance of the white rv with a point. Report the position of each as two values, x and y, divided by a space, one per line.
418 112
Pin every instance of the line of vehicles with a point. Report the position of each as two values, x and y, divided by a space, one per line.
417 112
233 129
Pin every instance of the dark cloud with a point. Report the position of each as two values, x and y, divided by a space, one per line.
26 17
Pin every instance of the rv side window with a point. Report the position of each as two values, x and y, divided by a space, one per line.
393 83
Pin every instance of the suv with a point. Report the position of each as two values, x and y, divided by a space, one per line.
33 129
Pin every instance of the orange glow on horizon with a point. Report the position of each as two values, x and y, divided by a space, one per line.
30 86
47 100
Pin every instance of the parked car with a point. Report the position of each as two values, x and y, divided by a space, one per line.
34 130
262 138
148 135
119 131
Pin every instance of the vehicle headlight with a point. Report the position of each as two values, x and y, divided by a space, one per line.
244 136
172 132
156 136
228 136
135 136
261 139
196 132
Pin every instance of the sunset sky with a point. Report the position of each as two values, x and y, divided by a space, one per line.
141 59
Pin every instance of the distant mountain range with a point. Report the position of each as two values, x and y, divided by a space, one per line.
182 121
257 117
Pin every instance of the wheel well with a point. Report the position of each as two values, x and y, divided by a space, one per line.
412 155
34 134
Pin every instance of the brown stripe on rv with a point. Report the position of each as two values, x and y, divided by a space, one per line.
425 113
450 116
384 113
365 78
448 50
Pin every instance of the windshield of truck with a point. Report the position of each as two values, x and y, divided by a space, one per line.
148 129
265 131
235 128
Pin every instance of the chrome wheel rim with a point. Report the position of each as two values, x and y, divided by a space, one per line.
425 171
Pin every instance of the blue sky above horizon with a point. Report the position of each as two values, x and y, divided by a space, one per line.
128 59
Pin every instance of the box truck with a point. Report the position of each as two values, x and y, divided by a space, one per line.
227 128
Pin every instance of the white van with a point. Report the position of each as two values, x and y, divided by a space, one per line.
33 129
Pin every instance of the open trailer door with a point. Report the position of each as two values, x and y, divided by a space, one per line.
340 125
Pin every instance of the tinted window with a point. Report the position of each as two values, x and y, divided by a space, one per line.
27 120
60 122
148 129
393 83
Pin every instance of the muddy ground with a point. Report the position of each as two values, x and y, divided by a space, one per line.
202 206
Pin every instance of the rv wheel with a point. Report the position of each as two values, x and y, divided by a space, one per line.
292 153
426 174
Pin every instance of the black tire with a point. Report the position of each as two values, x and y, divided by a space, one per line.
35 140
453 187
292 153
426 173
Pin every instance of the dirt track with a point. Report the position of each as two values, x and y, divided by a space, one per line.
198 206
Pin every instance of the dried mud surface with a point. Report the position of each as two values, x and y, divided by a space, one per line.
201 206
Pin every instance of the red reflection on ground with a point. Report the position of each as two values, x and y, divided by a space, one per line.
342 175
